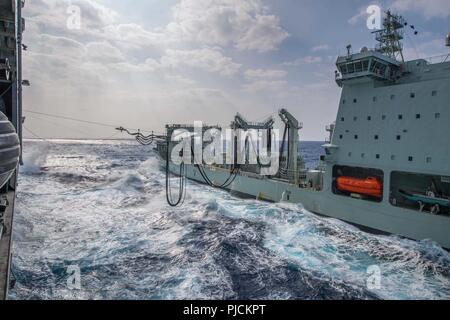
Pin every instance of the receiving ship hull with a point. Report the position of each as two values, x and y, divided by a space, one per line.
382 216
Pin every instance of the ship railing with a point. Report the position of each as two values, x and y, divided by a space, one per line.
438 59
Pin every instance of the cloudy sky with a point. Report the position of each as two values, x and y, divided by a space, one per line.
145 63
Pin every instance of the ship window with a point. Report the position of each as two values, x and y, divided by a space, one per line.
418 116
366 65
437 115
355 100
412 95
377 156
358 66
383 117
434 93
356 137
376 137
362 155
342 119
392 96
355 118
351 68
399 137
410 159
343 101
341 136
369 118
349 154
400 117
429 160
374 99
393 157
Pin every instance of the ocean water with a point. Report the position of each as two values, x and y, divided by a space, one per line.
100 207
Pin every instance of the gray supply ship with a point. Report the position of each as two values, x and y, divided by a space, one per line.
11 27
387 163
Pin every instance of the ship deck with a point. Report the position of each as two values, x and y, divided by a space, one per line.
5 246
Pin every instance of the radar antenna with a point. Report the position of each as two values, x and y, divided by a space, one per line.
390 36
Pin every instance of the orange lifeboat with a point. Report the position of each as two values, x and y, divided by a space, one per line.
369 187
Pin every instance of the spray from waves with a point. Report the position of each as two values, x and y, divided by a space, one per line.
35 157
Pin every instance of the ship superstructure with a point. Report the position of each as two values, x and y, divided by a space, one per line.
11 28
387 163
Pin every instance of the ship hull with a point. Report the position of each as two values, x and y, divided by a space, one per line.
381 217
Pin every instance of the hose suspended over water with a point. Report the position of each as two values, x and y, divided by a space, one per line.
182 183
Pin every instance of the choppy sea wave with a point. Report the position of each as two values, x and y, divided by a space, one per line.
100 206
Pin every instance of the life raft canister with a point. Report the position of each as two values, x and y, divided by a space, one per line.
370 186
9 149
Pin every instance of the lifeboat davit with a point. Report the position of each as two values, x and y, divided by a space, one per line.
9 149
370 186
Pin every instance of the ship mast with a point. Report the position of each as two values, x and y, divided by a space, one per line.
389 38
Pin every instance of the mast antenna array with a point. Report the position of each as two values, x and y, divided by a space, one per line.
389 38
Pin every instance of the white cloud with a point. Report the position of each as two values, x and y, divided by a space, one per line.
242 24
429 8
361 15
321 47
304 60
208 59
265 74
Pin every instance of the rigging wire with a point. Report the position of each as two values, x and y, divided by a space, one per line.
78 120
